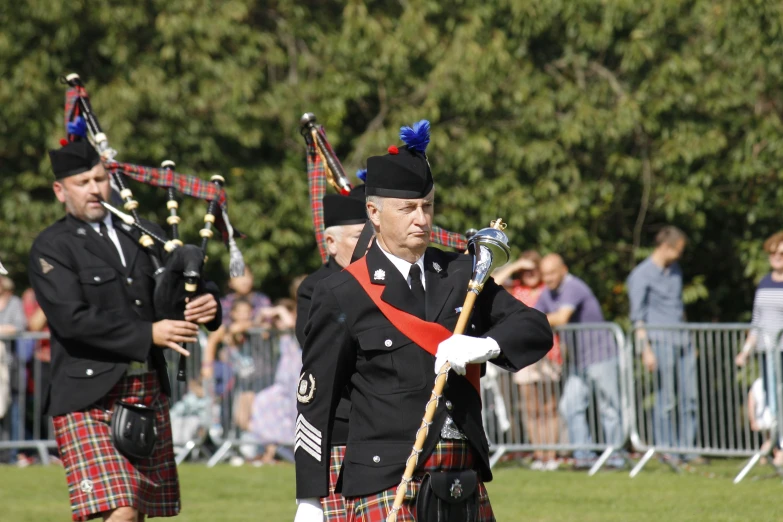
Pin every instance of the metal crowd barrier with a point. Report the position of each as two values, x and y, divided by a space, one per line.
209 417
576 405
23 376
247 370
694 403
595 402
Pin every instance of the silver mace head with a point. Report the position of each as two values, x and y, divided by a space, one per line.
489 247
307 120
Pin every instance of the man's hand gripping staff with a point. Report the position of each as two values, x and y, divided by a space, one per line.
489 247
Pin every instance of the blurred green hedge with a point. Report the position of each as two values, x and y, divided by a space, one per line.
586 125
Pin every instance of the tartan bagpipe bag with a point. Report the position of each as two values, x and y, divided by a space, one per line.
448 496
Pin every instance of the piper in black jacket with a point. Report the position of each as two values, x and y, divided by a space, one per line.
95 284
344 219
351 342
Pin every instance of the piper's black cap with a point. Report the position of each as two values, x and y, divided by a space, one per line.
404 172
345 210
73 158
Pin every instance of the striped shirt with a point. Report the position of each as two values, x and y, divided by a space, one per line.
768 311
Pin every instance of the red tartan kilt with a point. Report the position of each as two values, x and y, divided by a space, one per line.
100 479
334 504
449 455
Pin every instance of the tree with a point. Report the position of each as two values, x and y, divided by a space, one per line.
587 126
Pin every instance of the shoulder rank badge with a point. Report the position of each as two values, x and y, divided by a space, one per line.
46 267
308 438
305 390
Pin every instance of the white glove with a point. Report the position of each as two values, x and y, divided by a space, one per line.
461 350
309 510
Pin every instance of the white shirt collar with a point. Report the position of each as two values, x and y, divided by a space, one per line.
107 220
112 235
405 267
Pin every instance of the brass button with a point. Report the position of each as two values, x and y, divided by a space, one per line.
138 302
89 372
388 343
449 406
129 281
97 279
376 459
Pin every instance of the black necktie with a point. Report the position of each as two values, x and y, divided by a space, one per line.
105 235
417 288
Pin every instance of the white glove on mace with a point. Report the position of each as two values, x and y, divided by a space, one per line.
309 510
461 350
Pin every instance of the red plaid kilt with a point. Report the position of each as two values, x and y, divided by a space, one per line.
99 478
334 504
449 455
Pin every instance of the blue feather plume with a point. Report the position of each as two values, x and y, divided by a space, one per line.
418 137
362 174
78 127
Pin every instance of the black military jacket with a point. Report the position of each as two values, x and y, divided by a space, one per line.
304 295
100 312
304 299
349 340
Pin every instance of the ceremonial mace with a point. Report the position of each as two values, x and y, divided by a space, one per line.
489 247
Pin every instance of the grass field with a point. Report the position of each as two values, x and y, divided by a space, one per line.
266 494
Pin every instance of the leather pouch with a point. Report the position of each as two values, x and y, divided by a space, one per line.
133 430
448 496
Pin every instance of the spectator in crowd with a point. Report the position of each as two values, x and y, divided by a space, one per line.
12 319
592 360
274 408
538 382
230 363
12 322
189 413
767 323
655 294
242 287
36 357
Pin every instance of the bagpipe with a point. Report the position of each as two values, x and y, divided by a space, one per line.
178 276
324 167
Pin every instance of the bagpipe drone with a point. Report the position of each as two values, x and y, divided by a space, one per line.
324 167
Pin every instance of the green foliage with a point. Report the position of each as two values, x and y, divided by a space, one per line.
586 125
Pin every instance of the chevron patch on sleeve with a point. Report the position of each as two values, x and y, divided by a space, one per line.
308 438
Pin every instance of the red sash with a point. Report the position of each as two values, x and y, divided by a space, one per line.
424 333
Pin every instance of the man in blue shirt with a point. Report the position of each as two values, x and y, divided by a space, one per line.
655 293
592 359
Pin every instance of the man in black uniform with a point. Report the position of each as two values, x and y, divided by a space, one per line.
95 284
351 341
344 219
